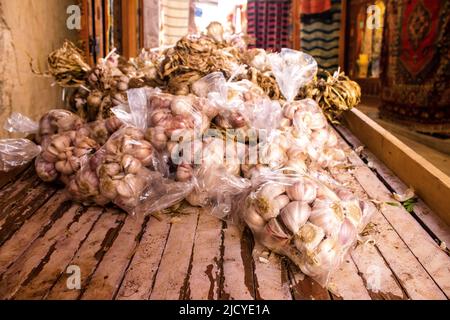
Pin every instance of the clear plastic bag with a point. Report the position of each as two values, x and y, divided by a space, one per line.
298 216
17 152
120 170
293 70
18 123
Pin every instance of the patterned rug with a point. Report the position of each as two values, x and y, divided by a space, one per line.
416 64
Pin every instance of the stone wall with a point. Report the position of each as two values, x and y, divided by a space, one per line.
29 29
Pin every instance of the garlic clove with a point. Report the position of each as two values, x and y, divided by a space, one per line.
308 237
130 164
347 234
64 167
303 190
290 109
368 211
297 166
295 215
274 229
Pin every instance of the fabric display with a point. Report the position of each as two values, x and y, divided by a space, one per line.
416 66
320 31
269 23
175 20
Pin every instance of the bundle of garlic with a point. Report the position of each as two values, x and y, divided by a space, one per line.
67 66
195 56
335 94
299 217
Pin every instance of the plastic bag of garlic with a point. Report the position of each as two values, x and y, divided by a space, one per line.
65 143
120 171
298 216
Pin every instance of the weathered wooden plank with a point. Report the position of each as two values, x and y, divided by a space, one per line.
90 254
13 278
204 281
47 273
140 276
431 184
407 269
435 261
10 182
37 225
346 283
108 276
173 273
8 178
238 278
272 277
435 223
378 278
19 212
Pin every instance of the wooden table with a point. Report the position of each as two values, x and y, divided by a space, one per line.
196 256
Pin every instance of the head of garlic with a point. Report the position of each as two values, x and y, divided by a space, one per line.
327 215
304 190
295 215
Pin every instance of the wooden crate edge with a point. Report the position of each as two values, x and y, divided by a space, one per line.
431 184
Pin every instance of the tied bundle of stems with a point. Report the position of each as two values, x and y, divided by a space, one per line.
335 94
67 66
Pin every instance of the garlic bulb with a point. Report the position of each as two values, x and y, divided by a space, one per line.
325 258
303 190
253 219
320 137
308 237
184 172
328 216
332 140
295 215
45 169
182 106
157 137
274 156
352 211
215 31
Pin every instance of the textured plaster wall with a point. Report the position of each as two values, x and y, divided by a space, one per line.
29 28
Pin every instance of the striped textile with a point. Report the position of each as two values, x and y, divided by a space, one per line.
268 23
320 36
174 21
